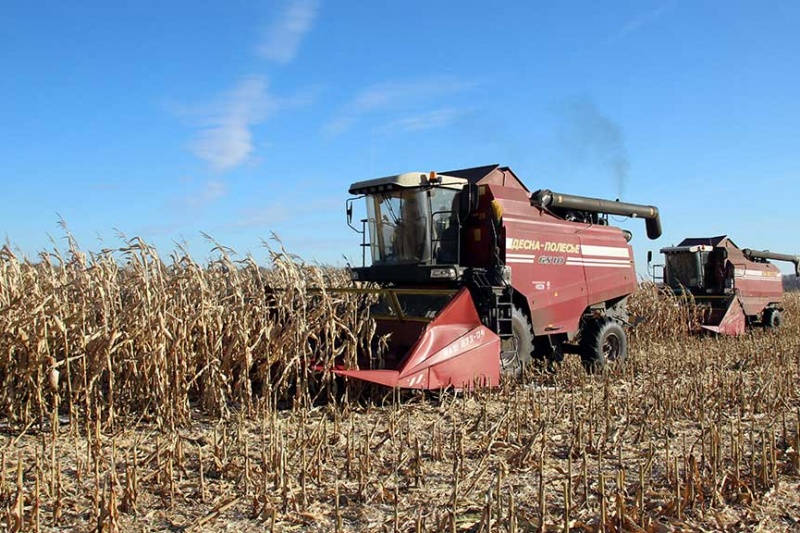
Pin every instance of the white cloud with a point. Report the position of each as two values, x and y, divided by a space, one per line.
224 146
224 136
390 96
224 139
283 37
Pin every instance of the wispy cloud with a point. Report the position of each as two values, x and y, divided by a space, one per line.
211 191
392 96
640 20
224 129
265 216
157 230
438 118
281 39
193 197
224 139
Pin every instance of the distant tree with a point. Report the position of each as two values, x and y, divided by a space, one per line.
791 283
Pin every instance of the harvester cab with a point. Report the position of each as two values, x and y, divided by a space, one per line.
413 219
474 276
731 288
697 269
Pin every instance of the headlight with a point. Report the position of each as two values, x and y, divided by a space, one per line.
443 273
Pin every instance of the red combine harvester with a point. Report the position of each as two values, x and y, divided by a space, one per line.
476 276
733 288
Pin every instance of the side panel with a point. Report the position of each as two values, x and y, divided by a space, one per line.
560 267
758 285
608 260
544 256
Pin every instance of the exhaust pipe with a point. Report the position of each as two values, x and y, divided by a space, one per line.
755 254
550 199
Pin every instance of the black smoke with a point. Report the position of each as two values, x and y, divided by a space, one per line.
590 137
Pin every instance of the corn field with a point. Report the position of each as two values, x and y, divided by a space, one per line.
143 394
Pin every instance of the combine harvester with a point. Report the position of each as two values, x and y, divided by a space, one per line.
476 276
733 288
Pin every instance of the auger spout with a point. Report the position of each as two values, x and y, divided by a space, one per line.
557 200
756 254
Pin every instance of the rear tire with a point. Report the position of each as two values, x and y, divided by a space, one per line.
772 318
515 353
602 341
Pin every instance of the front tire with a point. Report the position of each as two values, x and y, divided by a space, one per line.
772 318
515 352
602 341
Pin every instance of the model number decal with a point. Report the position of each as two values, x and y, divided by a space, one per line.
464 342
550 260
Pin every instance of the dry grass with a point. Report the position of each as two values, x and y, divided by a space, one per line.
142 395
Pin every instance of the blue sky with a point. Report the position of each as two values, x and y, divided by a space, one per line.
167 120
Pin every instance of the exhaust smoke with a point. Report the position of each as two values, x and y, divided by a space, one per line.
589 135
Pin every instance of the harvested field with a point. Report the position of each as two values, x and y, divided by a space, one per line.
147 395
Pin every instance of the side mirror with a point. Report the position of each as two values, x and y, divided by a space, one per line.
349 211
649 256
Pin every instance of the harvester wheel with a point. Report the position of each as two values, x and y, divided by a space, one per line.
515 353
772 318
603 340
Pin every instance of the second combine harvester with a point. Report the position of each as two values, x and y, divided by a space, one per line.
476 276
731 288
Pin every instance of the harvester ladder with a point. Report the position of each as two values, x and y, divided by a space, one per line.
509 346
501 309
505 309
